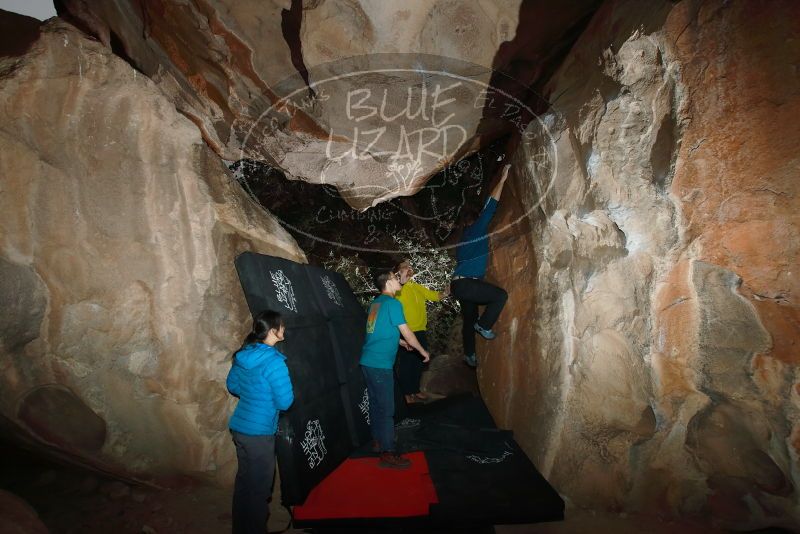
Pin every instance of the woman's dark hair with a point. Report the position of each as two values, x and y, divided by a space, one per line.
263 322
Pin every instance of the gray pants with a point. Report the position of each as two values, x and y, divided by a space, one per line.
253 487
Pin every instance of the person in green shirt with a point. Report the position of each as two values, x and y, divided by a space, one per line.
413 297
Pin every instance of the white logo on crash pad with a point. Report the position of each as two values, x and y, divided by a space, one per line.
408 422
314 443
364 405
332 290
284 291
488 459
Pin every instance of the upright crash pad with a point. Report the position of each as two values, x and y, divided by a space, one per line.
324 332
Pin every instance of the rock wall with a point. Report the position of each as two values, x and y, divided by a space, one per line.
17 516
228 65
647 360
118 232
241 69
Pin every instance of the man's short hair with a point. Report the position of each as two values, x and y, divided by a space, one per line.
381 277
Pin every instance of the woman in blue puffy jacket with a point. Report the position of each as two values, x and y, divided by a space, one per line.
260 379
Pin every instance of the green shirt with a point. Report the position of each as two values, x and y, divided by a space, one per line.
413 297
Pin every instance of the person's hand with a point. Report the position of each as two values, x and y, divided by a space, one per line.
506 168
405 345
426 356
443 294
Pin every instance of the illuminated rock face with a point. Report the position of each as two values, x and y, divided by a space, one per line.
229 65
647 359
118 232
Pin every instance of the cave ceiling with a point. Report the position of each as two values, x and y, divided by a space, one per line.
371 98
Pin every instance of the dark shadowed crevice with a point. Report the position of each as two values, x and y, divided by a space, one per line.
521 66
17 33
543 37
320 219
291 22
81 18
64 12
118 47
553 60
55 414
664 152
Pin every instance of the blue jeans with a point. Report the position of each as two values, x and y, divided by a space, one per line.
380 388
253 486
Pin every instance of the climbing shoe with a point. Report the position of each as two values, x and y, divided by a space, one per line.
390 460
471 360
487 334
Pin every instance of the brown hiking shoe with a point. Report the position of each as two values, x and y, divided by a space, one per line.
390 460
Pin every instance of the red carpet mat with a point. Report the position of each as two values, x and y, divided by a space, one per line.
360 489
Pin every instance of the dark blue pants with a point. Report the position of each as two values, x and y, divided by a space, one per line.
409 366
253 486
380 388
470 293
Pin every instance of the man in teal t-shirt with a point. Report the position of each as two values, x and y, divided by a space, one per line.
385 324
383 332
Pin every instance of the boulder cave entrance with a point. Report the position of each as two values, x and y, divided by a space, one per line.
646 360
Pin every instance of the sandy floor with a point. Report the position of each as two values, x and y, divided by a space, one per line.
585 521
69 502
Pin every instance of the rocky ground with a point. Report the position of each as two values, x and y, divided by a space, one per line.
70 500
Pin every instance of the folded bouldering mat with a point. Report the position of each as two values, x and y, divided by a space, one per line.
465 473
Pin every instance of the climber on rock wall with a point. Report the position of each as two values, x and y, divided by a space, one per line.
468 285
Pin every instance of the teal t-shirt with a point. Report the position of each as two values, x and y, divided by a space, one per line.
380 345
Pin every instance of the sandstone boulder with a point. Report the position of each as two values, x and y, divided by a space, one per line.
342 92
118 232
647 357
17 516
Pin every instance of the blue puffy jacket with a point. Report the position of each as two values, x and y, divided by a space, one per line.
260 378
